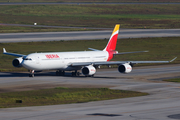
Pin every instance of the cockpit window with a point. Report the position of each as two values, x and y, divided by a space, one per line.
24 58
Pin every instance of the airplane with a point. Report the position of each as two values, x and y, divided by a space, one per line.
86 61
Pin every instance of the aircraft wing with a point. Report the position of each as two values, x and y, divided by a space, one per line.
116 62
13 54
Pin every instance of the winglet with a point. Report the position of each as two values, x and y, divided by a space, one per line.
13 54
4 50
173 59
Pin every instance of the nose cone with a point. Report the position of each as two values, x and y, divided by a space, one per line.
29 64
26 64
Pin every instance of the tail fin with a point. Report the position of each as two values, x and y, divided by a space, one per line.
111 46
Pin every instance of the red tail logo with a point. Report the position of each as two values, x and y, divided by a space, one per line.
111 46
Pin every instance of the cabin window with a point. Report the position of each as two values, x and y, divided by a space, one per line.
26 58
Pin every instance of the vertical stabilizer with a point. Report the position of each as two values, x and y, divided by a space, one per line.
111 46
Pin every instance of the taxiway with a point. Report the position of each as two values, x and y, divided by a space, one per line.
86 35
162 103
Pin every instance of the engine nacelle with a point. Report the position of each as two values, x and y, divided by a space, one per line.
125 68
88 70
17 62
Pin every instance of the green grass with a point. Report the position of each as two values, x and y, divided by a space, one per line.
62 96
159 49
177 80
56 10
129 16
90 1
17 29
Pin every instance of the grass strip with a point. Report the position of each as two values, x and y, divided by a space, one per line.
60 95
103 1
129 16
159 49
17 29
177 80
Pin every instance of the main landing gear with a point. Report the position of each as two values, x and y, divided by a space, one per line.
31 73
60 72
75 73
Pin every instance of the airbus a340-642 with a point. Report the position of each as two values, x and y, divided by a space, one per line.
86 61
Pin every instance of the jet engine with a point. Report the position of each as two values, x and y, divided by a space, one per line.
125 68
89 70
17 62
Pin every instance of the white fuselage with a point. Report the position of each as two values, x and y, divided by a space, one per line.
62 60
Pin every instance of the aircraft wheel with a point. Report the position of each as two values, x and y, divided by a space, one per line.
57 72
63 73
31 75
73 74
77 74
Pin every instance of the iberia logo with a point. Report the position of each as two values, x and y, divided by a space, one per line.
129 68
51 56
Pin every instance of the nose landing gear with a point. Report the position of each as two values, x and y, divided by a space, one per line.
31 73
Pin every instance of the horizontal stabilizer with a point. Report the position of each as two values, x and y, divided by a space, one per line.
130 52
93 49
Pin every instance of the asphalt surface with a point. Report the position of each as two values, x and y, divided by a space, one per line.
79 3
163 103
86 35
49 26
